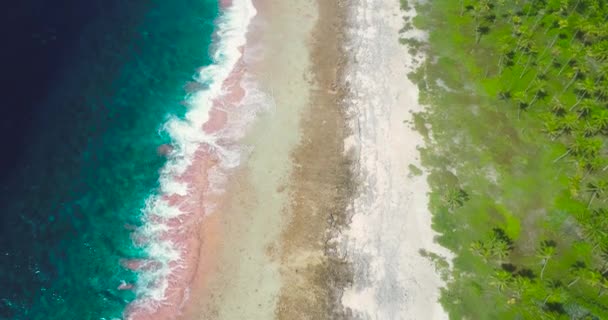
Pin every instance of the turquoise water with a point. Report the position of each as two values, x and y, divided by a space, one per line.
90 159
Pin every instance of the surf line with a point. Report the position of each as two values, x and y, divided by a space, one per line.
204 150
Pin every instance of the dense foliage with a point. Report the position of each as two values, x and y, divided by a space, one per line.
521 88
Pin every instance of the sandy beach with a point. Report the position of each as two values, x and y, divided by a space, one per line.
391 221
320 220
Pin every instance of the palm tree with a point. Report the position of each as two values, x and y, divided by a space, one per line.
600 119
479 248
604 250
480 10
587 87
573 75
531 52
557 108
603 286
545 252
585 106
552 127
596 280
555 291
501 279
500 250
590 128
569 122
506 52
539 87
521 99
601 90
597 190
593 234
574 52
583 147
555 52
520 285
455 198
577 271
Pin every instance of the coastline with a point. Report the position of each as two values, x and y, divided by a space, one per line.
310 222
181 228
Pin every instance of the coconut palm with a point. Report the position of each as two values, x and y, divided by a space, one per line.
539 87
583 147
593 234
585 107
545 252
601 90
555 53
557 108
479 248
587 86
455 198
552 127
501 279
520 285
500 250
597 190
577 271
555 291
573 75
480 10
603 286
596 280
600 119
521 98
573 53
590 128
531 52
604 250
505 52
569 122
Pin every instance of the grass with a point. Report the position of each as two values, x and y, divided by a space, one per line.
494 179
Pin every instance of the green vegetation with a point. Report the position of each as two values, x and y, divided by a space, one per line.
518 101
415 171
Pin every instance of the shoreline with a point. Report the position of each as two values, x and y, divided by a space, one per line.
293 234
181 227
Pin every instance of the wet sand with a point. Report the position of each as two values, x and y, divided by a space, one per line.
246 280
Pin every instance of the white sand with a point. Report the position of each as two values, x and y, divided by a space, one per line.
391 220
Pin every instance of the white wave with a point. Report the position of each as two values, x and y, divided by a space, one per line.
187 137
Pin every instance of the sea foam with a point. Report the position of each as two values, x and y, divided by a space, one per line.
188 137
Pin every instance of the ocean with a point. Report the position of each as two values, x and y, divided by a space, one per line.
87 89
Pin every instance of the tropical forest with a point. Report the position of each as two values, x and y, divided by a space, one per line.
516 129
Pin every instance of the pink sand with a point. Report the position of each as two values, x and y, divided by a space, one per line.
198 249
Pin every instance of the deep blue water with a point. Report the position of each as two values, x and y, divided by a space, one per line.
86 85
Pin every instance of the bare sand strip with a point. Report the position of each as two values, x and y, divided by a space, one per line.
390 218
